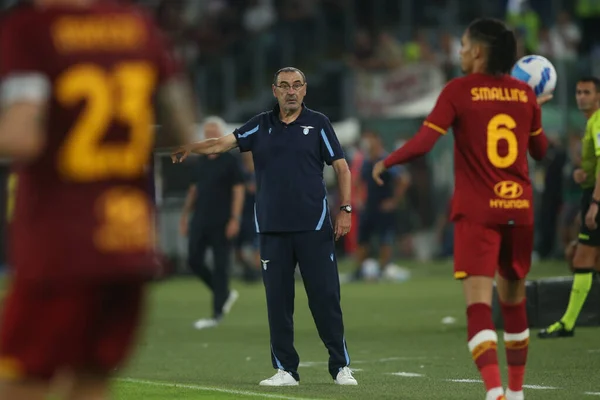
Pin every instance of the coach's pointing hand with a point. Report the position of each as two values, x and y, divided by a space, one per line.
343 221
180 154
378 169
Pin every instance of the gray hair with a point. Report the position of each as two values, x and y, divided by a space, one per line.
288 69
214 119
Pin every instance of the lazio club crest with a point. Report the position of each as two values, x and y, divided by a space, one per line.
306 129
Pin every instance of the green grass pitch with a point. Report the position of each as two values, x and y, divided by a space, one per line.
398 345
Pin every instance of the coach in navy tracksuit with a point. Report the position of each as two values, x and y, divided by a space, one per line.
290 146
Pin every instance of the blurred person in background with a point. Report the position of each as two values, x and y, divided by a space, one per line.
357 157
248 236
570 214
588 246
363 56
214 200
378 214
388 51
551 198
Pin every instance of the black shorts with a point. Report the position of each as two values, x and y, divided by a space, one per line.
587 236
379 224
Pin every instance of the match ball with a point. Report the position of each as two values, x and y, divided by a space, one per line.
538 72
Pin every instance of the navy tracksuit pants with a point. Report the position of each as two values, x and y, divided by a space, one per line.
314 252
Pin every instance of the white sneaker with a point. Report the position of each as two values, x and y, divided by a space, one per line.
344 377
281 378
231 299
510 395
206 323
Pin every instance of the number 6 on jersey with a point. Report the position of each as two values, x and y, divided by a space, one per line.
501 127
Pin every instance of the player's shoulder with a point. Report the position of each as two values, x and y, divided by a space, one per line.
455 86
594 120
316 115
18 17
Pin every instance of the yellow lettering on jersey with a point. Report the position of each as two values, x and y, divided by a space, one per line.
98 33
125 221
509 204
498 94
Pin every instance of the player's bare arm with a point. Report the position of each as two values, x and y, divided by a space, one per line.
23 100
420 144
402 185
343 220
543 99
175 99
190 198
21 133
579 176
237 205
206 146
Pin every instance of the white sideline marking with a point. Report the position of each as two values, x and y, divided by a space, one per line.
403 359
594 351
214 389
315 363
407 374
592 393
387 359
465 380
539 387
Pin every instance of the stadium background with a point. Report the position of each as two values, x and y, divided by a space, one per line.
370 65
373 65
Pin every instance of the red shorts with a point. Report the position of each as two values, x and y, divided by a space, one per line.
483 250
87 328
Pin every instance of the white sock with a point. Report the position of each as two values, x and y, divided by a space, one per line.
494 393
510 395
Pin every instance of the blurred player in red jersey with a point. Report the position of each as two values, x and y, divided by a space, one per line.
496 120
77 84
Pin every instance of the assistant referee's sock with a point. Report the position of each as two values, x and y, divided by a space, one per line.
582 283
483 342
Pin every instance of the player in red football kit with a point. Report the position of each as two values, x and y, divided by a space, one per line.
496 120
77 84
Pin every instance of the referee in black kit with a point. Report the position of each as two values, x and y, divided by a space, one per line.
290 145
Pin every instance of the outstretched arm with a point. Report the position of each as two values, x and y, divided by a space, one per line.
206 146
437 123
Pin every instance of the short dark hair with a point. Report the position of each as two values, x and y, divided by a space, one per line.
288 69
591 79
501 43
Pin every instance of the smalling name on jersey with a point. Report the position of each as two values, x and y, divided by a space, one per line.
108 33
498 94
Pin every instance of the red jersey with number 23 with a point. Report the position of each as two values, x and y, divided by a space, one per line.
83 209
496 121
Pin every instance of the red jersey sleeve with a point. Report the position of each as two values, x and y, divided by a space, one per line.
18 52
538 142
23 73
435 125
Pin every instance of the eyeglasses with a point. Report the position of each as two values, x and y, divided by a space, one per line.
296 86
